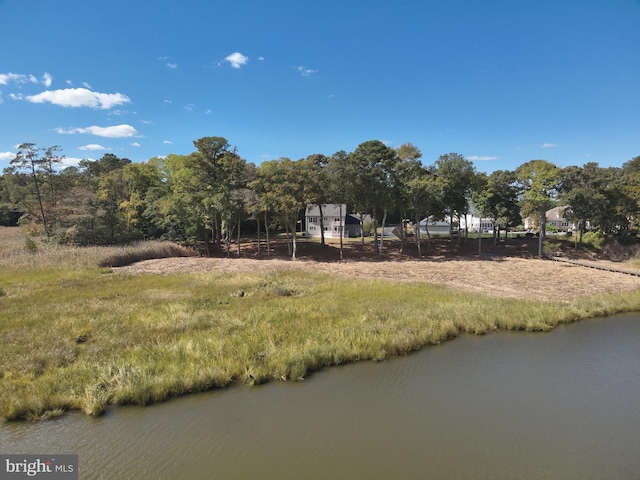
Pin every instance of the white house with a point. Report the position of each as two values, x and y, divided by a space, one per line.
475 223
555 217
334 217
434 226
472 220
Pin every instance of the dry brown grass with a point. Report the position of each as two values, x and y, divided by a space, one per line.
504 277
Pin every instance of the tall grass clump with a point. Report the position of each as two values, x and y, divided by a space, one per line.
20 252
126 255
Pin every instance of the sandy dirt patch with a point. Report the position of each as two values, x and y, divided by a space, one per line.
506 277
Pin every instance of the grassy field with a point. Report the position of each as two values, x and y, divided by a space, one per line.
76 335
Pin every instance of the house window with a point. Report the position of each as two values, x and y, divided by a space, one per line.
336 219
313 219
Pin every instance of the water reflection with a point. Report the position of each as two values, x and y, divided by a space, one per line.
509 405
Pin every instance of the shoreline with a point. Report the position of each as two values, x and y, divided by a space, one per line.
79 337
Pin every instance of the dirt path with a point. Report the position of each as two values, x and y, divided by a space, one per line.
506 277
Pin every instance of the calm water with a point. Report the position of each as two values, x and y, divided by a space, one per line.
560 405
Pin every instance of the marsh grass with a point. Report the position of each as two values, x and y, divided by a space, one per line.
76 336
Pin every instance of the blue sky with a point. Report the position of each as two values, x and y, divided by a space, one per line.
498 81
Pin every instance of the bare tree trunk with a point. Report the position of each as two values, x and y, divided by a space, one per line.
227 239
321 224
416 233
288 234
362 229
466 226
343 221
206 243
543 231
374 217
384 220
580 230
44 218
238 236
294 245
266 229
258 222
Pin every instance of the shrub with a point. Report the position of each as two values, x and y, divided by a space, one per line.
594 239
30 246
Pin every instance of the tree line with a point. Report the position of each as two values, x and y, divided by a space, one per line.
211 196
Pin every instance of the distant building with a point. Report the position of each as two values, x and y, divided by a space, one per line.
555 217
434 226
472 221
334 216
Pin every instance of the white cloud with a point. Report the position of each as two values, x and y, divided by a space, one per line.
167 142
79 97
116 131
236 59
47 79
172 65
135 144
16 96
92 146
72 162
261 59
481 158
548 145
6 78
208 111
189 108
7 156
306 72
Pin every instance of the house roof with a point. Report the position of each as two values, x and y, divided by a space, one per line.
432 221
328 210
556 213
354 220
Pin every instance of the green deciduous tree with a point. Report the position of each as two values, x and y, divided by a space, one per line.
371 165
340 189
423 200
456 177
406 168
204 187
281 184
539 183
148 188
497 198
